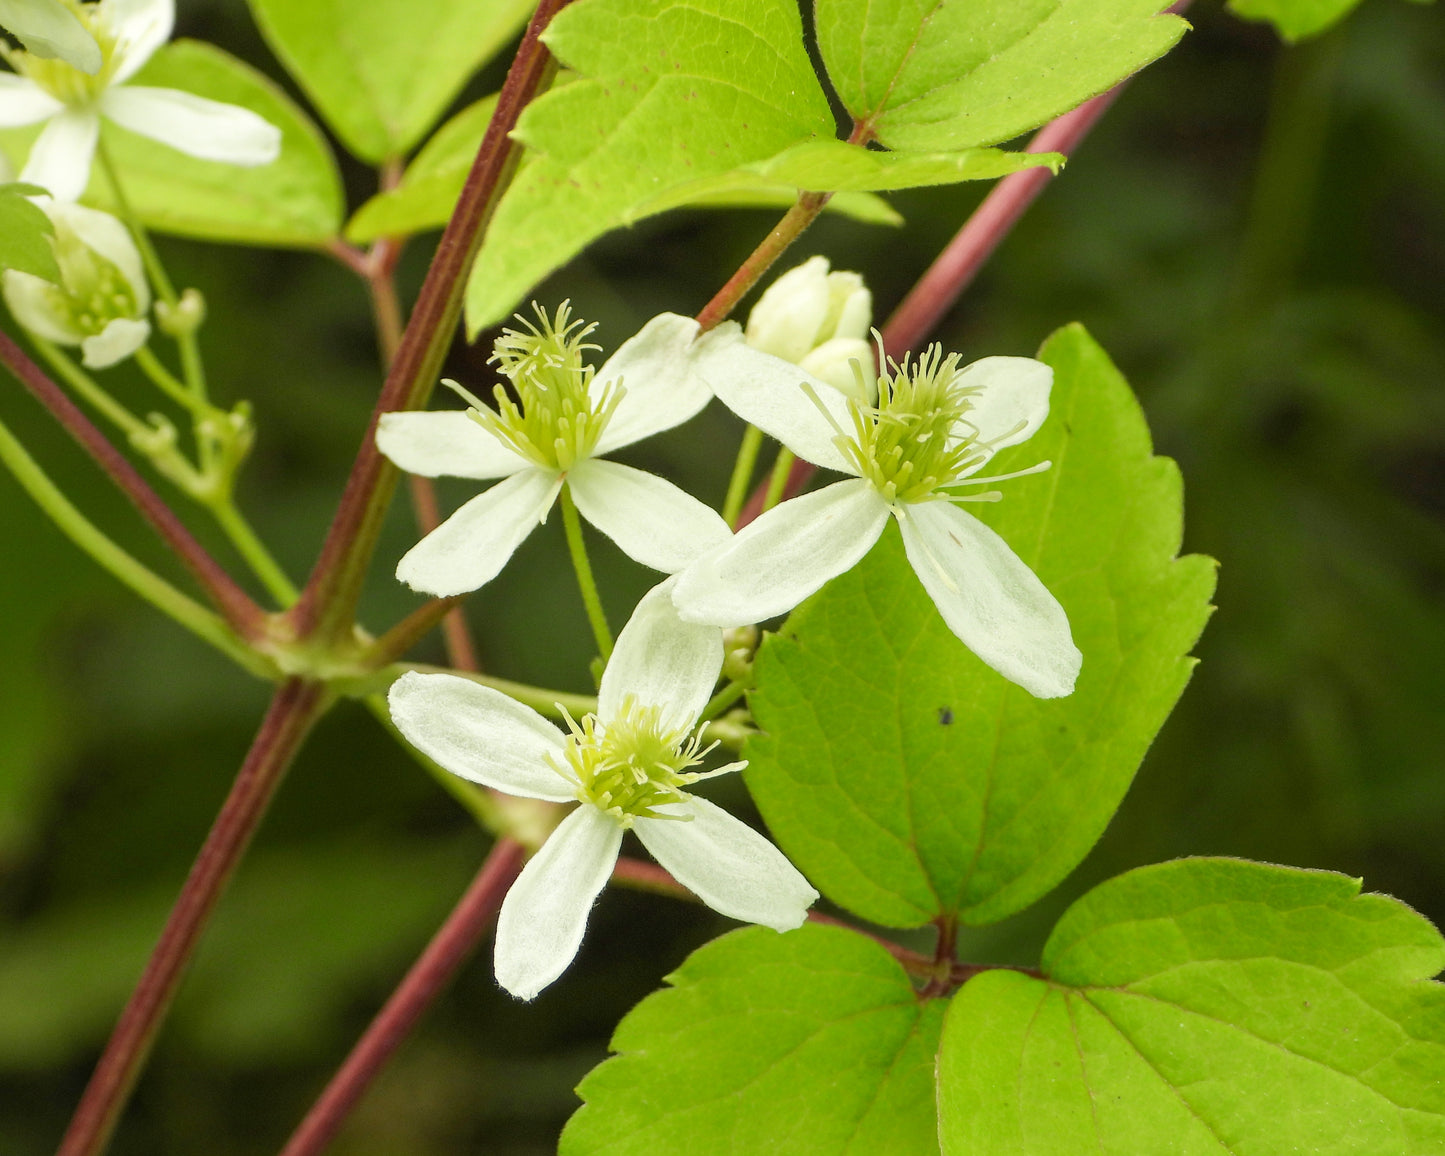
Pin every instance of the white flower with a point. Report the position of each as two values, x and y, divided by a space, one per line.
49 29
128 32
819 320
102 299
933 427
568 417
628 767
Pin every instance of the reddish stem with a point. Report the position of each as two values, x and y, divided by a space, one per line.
327 606
233 603
295 706
433 970
760 260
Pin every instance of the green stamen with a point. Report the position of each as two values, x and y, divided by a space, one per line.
63 81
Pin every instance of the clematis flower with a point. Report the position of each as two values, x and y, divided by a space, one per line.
819 321
569 415
628 766
935 425
50 30
101 301
73 102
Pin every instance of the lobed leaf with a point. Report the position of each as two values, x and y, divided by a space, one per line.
907 779
1207 1006
813 1041
382 72
25 234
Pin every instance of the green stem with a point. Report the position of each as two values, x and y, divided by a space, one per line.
87 388
778 482
747 459
157 591
254 551
722 700
572 524
167 382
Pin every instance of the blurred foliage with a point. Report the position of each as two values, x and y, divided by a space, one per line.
1253 234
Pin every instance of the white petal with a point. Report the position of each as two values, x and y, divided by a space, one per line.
29 300
60 158
662 386
480 734
784 556
544 915
787 317
445 444
729 866
653 521
117 341
767 391
1014 398
990 599
23 102
191 124
143 26
109 237
48 29
470 548
662 661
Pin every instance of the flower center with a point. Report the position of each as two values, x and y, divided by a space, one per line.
64 82
93 291
553 420
632 765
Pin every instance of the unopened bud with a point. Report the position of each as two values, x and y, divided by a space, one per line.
819 321
185 316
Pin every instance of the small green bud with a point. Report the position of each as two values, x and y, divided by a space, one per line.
184 317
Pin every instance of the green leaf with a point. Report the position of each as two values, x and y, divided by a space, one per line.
671 94
1295 19
932 75
813 1041
294 201
1207 1006
429 189
25 234
382 72
835 164
906 778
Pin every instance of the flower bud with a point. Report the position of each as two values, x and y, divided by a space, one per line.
183 318
102 298
819 320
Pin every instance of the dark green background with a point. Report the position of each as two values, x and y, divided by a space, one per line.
1253 233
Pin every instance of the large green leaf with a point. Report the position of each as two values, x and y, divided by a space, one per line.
671 94
383 71
906 778
25 233
1207 1006
1297 19
926 74
811 1042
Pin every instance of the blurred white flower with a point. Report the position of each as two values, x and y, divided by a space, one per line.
51 30
73 102
101 301
628 766
819 321
569 415
934 426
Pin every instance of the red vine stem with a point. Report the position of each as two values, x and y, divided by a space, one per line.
433 970
295 706
234 604
327 606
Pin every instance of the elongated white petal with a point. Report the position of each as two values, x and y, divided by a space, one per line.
445 444
653 521
48 29
768 392
1013 400
663 388
117 341
480 734
191 124
783 557
109 237
990 599
23 102
729 866
470 548
662 661
29 300
544 915
142 26
60 158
